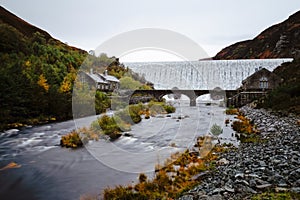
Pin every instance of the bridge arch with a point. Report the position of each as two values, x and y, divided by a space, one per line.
192 94
158 94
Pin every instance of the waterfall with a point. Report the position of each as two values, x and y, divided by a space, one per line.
202 75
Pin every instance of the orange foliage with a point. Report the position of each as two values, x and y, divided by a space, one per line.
243 125
265 54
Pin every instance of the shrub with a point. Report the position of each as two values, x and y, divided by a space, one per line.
160 107
232 111
243 125
71 140
216 129
273 195
102 102
130 115
169 108
227 121
142 178
109 127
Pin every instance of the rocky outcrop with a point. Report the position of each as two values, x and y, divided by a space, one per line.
272 163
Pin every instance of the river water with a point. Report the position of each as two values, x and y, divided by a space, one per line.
47 171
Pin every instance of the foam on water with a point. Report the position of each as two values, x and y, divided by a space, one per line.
29 141
42 148
10 131
127 140
39 134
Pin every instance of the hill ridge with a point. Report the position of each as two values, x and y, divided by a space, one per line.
277 41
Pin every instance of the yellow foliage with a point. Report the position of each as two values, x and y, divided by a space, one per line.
43 82
66 85
27 63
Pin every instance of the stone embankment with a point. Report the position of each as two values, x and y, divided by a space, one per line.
271 164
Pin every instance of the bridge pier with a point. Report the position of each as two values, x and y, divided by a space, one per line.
192 101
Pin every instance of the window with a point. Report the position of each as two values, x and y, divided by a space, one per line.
263 83
82 79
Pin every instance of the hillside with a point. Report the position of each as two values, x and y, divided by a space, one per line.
278 41
37 73
286 97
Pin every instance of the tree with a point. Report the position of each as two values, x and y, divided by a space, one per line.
102 102
129 83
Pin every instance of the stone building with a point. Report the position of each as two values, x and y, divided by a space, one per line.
262 79
102 82
254 87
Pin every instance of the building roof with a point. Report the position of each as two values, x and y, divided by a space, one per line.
108 77
101 78
262 70
97 78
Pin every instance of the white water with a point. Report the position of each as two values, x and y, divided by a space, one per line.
226 74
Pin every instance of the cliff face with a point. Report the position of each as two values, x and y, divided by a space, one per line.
279 41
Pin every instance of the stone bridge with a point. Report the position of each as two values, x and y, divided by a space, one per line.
192 94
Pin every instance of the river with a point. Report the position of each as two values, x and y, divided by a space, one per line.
47 171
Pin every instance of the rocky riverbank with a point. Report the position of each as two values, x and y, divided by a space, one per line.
272 164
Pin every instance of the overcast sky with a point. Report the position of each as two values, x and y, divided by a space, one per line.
213 24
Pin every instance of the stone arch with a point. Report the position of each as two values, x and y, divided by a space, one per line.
192 94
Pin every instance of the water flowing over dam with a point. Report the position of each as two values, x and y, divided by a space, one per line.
202 75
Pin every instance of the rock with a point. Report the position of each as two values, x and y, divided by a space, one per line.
200 176
187 197
229 189
239 175
282 185
215 197
126 134
253 175
295 190
256 167
223 161
262 163
276 161
218 190
280 189
264 186
203 197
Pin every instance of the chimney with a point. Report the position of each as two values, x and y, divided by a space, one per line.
91 71
105 72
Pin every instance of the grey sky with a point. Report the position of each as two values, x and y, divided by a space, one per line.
213 24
